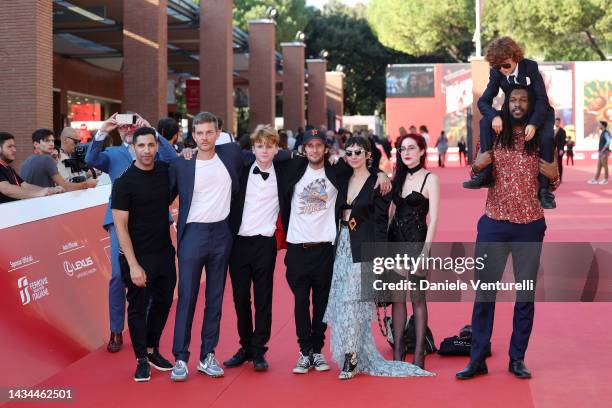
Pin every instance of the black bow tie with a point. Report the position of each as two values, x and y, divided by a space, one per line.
264 175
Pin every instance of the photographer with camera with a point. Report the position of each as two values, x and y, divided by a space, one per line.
115 160
72 166
41 169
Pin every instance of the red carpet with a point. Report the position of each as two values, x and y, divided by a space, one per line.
568 353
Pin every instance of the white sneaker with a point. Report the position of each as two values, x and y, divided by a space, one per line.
179 371
319 362
303 364
604 181
593 181
210 366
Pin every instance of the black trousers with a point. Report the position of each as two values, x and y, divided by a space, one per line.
146 330
546 134
252 263
309 270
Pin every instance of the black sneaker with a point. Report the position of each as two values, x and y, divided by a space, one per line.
547 199
143 371
260 363
238 359
484 178
158 361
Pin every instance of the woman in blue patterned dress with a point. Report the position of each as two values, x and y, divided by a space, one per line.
364 219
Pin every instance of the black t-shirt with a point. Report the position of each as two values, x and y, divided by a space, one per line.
146 196
11 176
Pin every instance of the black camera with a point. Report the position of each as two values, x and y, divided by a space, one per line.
76 162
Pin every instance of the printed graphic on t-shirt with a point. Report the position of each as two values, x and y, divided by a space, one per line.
314 197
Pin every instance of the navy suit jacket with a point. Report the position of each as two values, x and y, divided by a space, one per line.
182 178
526 68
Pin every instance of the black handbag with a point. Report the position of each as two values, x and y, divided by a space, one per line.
386 328
460 345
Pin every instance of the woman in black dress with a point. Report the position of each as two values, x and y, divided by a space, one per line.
416 192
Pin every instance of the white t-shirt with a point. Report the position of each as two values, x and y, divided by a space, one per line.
260 205
212 192
224 138
313 209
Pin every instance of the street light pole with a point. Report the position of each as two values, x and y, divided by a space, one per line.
476 38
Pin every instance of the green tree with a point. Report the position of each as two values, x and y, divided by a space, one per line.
293 15
553 29
425 27
346 35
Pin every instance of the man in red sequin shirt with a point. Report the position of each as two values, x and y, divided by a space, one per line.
513 223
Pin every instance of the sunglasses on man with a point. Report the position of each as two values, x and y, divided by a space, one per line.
505 65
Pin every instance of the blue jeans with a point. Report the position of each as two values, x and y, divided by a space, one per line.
116 287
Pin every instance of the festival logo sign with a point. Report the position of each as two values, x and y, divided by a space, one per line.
32 291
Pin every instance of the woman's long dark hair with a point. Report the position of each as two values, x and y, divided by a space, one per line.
505 139
400 168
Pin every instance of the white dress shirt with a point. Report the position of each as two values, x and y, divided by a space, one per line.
261 204
515 73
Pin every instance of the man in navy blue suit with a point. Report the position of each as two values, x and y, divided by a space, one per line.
510 68
205 186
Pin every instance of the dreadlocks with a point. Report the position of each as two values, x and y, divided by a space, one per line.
505 138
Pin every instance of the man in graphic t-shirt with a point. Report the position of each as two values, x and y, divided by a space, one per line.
311 224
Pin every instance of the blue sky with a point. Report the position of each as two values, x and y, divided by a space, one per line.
320 3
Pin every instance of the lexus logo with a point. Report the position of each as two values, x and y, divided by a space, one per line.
71 267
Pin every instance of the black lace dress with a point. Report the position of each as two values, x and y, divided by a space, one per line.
409 224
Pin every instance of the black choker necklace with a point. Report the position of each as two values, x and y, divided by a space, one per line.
414 169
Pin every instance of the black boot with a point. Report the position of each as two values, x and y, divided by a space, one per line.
483 178
473 369
349 370
547 199
517 367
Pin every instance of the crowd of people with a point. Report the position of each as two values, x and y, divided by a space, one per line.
320 194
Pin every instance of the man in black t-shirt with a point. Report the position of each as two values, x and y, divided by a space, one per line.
141 196
12 187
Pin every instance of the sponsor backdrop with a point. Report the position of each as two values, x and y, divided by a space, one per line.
55 274
580 92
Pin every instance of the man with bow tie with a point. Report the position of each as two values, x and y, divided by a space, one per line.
253 220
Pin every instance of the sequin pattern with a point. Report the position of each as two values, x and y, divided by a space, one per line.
514 195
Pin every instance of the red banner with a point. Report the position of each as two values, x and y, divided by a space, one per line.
55 274
192 94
